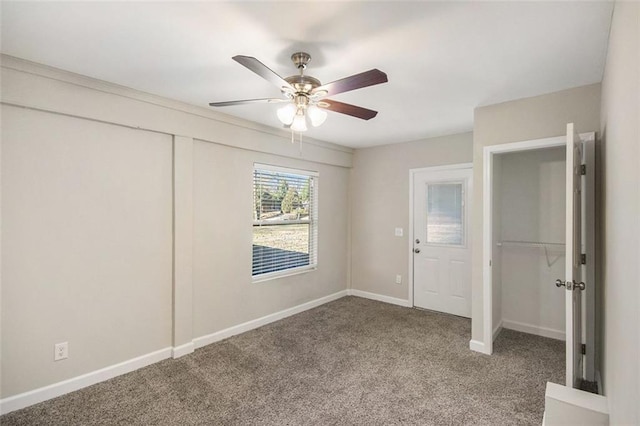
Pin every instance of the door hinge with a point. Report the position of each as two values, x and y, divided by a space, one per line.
583 169
583 349
583 259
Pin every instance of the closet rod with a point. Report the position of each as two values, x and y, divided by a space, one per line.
545 246
529 243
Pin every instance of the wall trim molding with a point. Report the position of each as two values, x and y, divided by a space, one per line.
182 276
182 350
478 346
533 329
35 396
379 298
30 67
208 339
497 330
106 102
487 226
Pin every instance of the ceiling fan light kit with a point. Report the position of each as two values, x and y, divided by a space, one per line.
316 115
287 113
305 96
299 122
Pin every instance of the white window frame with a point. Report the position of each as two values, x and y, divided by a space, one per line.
313 223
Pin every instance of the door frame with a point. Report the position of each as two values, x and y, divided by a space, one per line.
487 228
412 173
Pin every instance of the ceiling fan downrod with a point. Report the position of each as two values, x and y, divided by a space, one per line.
302 84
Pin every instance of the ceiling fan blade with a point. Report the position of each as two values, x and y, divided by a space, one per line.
357 81
248 101
348 109
263 71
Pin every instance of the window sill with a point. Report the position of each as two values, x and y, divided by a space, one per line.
282 274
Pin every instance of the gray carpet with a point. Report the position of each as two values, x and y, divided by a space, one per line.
352 361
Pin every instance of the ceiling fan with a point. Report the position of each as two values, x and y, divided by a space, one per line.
305 96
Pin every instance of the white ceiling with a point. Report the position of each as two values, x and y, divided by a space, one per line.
442 58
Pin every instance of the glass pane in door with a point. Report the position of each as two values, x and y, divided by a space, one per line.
445 213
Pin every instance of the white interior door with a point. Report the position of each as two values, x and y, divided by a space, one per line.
442 241
573 284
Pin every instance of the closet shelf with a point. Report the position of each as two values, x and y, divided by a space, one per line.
529 244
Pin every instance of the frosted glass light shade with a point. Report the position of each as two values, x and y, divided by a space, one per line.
287 113
316 115
299 123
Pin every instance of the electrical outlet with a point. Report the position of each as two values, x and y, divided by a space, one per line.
61 351
398 279
399 232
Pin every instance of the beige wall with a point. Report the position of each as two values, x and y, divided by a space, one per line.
86 246
380 203
524 119
88 181
620 158
223 292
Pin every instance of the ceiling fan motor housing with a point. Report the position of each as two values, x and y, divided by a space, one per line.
303 83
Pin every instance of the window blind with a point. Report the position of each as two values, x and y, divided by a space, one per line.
285 231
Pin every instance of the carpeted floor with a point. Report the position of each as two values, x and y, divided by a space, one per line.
352 361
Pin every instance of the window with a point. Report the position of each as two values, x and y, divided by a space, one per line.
285 221
445 213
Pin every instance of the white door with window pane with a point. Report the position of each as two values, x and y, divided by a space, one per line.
442 240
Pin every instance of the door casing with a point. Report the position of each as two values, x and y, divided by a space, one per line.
486 345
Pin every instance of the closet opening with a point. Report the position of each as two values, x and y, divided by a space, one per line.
528 224
539 246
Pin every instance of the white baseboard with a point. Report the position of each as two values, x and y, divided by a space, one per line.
533 329
268 319
182 350
35 396
379 297
497 330
478 346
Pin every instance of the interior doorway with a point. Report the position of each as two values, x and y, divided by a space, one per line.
528 221
538 224
441 239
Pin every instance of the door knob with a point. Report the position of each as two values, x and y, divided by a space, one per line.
560 283
417 241
578 286
416 250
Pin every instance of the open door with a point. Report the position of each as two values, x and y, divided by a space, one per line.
573 283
